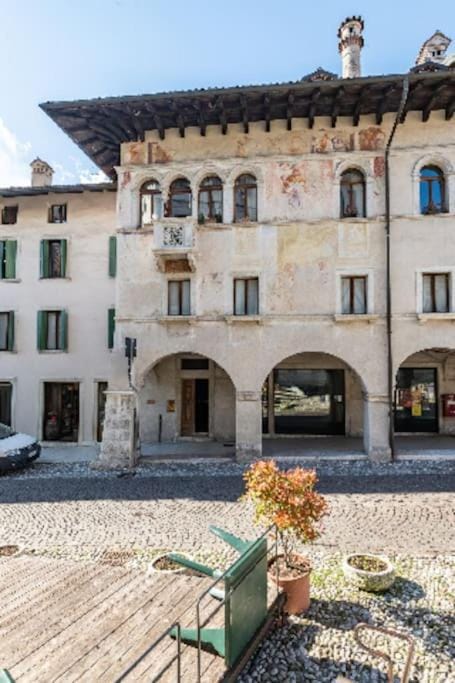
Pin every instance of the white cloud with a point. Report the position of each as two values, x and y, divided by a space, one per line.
14 158
86 176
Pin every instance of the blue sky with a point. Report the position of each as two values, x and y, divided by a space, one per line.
66 49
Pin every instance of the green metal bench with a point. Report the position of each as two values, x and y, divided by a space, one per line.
244 597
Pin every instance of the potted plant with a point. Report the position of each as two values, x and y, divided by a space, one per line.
288 500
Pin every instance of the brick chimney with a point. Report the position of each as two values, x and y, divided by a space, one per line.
41 173
350 45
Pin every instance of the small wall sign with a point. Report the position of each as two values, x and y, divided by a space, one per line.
171 406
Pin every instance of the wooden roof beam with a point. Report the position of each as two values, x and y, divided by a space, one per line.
222 115
426 111
267 115
336 104
382 103
244 108
315 95
358 106
157 120
450 109
289 110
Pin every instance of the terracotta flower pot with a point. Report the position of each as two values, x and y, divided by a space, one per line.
295 584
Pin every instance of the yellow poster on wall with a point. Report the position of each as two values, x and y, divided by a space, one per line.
416 409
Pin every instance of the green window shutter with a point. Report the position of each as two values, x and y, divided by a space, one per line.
10 259
2 257
10 332
110 327
63 257
112 256
63 332
44 258
42 330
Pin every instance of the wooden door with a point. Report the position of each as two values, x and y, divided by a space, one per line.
188 394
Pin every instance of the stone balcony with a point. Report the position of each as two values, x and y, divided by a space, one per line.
173 242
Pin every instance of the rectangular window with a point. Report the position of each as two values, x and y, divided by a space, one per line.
179 300
52 331
7 331
195 364
436 293
53 255
354 295
112 256
110 328
246 296
57 213
9 215
8 251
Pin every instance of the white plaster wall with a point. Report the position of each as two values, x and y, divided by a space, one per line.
86 294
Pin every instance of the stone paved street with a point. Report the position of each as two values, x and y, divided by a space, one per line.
403 512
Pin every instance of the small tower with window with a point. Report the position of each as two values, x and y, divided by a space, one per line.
350 46
42 173
434 49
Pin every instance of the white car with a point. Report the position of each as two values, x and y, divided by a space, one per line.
16 449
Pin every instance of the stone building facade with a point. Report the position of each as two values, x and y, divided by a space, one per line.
285 258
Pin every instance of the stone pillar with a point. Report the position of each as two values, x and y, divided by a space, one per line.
376 428
248 425
228 203
118 448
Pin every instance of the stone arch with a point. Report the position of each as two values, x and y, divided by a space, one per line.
445 165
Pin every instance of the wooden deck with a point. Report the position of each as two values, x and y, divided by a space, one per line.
65 621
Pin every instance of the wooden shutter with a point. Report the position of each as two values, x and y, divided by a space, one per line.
112 256
44 258
63 331
10 332
63 256
10 259
110 327
2 256
42 330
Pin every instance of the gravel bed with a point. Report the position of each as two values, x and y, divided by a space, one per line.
206 469
319 646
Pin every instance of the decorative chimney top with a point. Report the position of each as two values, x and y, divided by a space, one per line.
434 49
350 44
42 173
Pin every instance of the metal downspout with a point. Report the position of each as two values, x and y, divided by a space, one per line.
404 97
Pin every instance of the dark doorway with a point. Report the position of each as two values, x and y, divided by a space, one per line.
195 407
309 401
100 409
61 411
6 393
416 400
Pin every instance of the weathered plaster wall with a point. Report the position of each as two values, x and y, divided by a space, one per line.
86 293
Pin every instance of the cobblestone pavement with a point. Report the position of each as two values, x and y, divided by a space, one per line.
403 513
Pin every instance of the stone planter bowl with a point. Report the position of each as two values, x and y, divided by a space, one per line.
371 581
162 556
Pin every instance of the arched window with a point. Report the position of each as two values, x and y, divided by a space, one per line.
180 198
352 194
431 190
245 198
151 202
211 200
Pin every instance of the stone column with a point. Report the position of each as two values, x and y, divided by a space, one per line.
248 425
118 448
228 203
376 427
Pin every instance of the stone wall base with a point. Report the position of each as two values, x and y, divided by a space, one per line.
118 448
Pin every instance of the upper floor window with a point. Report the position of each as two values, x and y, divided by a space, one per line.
53 258
211 200
8 250
180 198
151 202
245 198
431 190
246 296
9 215
57 213
112 256
52 331
354 295
436 293
179 297
7 331
352 194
